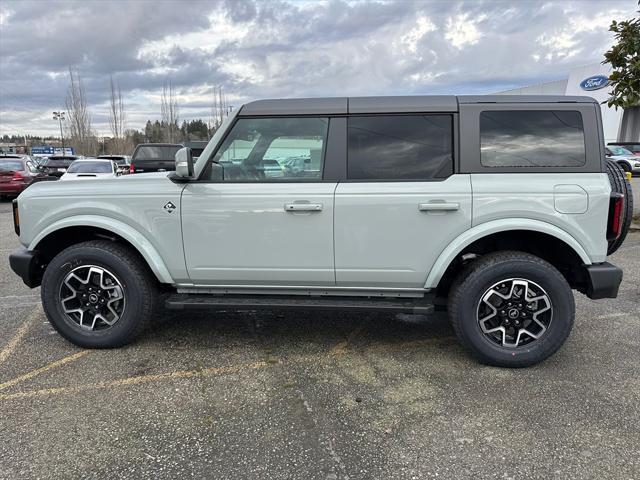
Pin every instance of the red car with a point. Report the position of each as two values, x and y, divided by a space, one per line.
16 173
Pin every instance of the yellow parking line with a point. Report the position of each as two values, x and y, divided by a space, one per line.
22 331
136 380
38 371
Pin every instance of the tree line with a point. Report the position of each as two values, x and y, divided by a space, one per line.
80 134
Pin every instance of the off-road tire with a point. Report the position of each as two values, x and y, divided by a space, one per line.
620 184
139 286
471 284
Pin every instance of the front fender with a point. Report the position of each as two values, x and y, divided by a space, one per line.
496 226
139 241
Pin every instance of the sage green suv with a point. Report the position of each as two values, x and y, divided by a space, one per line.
496 207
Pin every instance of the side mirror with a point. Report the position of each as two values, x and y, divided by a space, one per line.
184 163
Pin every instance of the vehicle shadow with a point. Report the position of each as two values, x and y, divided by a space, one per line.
304 330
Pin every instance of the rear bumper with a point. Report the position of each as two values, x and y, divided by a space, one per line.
13 187
603 280
25 263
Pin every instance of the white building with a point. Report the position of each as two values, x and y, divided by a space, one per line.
619 125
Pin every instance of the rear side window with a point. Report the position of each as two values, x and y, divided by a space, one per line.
400 147
532 138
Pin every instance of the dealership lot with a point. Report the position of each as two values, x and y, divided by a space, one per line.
315 395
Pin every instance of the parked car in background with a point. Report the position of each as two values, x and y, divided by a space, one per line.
123 161
154 157
196 146
56 165
17 172
91 168
627 160
633 147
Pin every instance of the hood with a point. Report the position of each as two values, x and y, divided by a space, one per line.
138 184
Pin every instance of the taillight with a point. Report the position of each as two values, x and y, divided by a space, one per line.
18 177
616 216
132 168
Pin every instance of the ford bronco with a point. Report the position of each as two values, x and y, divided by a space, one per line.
493 208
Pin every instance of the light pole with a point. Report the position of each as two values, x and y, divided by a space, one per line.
60 117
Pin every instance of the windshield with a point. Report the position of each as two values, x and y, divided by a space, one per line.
10 165
619 150
57 162
90 167
156 152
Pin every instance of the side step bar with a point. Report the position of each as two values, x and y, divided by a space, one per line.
181 301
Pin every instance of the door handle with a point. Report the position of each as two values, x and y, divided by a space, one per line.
438 207
302 207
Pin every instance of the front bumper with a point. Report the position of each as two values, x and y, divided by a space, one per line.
25 263
603 280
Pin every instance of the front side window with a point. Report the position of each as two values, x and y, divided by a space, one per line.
532 138
271 150
400 147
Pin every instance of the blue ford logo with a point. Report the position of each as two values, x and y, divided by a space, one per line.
594 83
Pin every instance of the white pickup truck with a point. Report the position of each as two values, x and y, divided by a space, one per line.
492 207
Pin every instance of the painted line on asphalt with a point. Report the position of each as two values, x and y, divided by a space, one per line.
137 380
19 335
46 368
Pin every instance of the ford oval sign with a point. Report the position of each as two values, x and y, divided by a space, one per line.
594 83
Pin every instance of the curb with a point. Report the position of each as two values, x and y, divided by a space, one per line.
634 227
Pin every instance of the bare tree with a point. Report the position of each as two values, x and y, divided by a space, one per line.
78 115
219 109
169 112
117 118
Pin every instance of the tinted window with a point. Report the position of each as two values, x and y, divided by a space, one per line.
531 138
156 152
84 166
264 149
401 147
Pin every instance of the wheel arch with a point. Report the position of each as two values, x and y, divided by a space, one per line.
533 236
59 235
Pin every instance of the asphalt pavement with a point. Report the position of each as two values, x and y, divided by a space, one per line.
316 395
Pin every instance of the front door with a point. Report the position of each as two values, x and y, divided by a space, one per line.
262 214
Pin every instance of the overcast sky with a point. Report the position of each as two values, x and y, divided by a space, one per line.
261 49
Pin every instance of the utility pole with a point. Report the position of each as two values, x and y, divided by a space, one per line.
60 117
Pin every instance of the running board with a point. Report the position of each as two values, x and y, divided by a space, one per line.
182 301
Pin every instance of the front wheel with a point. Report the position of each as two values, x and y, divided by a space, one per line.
511 309
98 294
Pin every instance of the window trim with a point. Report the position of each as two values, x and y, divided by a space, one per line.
454 148
209 161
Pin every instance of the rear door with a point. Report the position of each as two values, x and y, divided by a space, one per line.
401 203
248 223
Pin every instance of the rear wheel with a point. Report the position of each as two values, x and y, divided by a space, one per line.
511 309
620 184
98 294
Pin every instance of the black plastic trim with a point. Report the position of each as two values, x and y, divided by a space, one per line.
603 280
295 302
25 263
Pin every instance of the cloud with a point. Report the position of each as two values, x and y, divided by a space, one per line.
263 48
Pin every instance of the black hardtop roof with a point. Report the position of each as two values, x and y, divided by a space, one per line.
396 104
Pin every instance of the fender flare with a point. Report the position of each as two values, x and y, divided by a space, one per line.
484 229
134 237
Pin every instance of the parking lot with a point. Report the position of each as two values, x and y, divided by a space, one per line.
316 395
